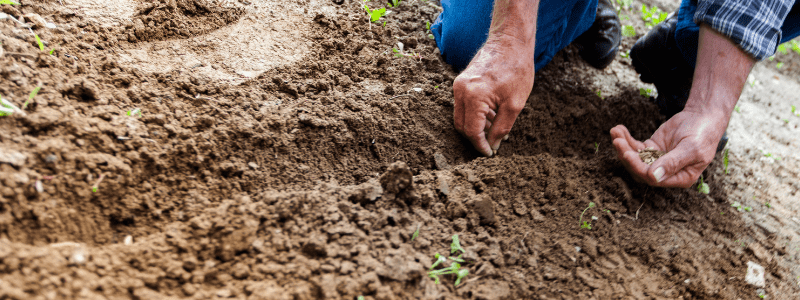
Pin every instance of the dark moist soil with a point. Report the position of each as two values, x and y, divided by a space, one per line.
308 181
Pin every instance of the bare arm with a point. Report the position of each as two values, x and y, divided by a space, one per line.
492 90
691 136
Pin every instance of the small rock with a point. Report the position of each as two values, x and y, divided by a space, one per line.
397 178
755 274
485 209
78 257
441 161
252 165
37 20
128 240
50 25
12 157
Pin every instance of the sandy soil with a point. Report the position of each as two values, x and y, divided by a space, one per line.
283 152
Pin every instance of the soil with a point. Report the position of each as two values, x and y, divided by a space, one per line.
283 152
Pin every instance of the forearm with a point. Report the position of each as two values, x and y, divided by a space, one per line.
719 76
514 23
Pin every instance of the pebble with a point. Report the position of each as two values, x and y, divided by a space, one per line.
252 165
37 20
128 240
755 274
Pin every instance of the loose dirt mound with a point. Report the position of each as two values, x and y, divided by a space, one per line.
285 186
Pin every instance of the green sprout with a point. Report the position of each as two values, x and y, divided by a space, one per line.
435 86
782 48
653 16
767 205
725 160
624 4
747 208
394 3
779 65
737 206
458 259
375 14
416 233
628 30
135 112
625 54
7 108
796 47
439 260
96 185
794 111
454 268
428 29
586 224
646 92
600 94
702 187
360 298
456 245
738 109
596 147
39 41
8 2
30 97
770 155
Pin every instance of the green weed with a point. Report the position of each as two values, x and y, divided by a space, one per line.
767 205
702 187
30 97
600 94
653 16
738 109
7 108
596 147
375 14
796 47
8 2
646 92
585 224
628 30
456 245
416 233
440 259
779 65
134 113
725 160
624 4
39 41
625 54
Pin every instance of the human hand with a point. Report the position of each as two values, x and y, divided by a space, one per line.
690 140
492 91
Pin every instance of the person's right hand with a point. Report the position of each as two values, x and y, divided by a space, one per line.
492 91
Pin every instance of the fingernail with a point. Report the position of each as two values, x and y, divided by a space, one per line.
659 174
496 146
505 138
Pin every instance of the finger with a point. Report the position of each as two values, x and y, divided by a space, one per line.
630 158
620 131
487 126
491 115
506 116
673 164
474 124
458 114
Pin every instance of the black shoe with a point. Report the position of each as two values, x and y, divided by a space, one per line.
658 60
600 43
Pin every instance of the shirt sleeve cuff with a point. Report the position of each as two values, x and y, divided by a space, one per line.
753 25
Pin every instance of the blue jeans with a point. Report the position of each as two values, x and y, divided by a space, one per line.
462 28
687 32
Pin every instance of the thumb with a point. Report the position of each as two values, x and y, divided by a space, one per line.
506 116
670 170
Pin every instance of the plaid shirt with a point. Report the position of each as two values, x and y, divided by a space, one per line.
754 25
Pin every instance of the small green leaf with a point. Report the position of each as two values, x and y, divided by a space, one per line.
94 189
702 187
779 65
725 160
8 2
461 274
782 48
456 245
628 30
416 234
39 41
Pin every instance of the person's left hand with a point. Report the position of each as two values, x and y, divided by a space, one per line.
690 140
